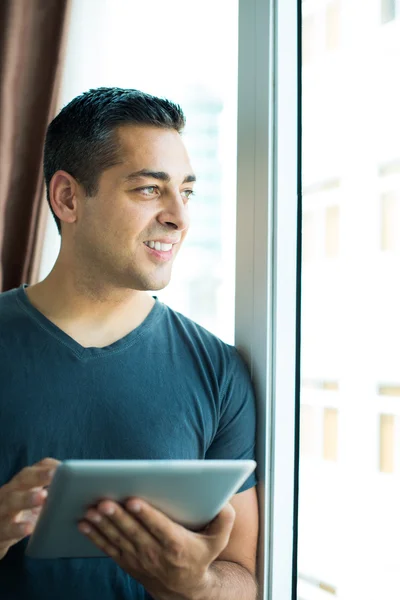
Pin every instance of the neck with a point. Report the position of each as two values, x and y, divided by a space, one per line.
84 306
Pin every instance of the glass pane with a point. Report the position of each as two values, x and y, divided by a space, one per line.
124 45
387 441
349 495
330 433
309 39
332 231
388 10
333 25
390 216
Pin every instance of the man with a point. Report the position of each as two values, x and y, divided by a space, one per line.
94 367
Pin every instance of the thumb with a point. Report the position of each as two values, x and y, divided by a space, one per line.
48 462
219 530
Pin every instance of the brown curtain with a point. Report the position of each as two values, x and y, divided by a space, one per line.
32 40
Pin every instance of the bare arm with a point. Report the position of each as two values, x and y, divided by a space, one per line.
232 575
229 581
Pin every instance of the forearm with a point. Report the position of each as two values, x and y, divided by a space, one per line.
229 581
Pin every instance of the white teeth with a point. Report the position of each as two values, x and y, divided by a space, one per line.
159 246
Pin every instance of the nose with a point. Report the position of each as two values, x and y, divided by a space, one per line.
175 213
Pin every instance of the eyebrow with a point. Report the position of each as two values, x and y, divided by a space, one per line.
160 175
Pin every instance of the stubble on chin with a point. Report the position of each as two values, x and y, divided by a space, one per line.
151 281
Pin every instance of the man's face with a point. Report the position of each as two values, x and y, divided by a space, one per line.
132 229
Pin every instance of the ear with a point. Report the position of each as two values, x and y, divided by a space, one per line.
64 192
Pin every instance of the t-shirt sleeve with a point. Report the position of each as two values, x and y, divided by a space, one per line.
236 434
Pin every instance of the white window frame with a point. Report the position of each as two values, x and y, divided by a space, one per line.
267 259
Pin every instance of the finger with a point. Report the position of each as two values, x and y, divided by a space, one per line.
13 532
98 539
29 516
159 525
51 462
123 524
17 501
219 530
116 537
35 476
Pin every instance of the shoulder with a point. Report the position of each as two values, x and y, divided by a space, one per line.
193 333
9 306
201 343
13 317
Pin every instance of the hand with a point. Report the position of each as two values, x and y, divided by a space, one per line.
21 501
170 561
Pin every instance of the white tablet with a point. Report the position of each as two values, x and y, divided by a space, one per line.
191 492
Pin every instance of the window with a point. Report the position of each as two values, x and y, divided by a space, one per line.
310 226
388 403
319 419
330 433
390 221
389 10
321 220
314 384
321 29
350 335
309 38
389 390
332 25
332 231
310 587
389 204
387 443
321 230
309 439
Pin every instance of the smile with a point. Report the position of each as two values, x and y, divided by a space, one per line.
161 251
159 246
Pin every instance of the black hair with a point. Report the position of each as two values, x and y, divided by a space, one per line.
81 140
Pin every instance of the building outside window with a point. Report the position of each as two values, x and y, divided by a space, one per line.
390 10
349 523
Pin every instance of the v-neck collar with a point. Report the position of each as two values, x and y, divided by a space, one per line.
81 351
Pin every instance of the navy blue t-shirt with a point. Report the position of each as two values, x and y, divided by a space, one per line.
167 390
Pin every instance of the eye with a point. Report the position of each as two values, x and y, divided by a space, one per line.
188 193
149 190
